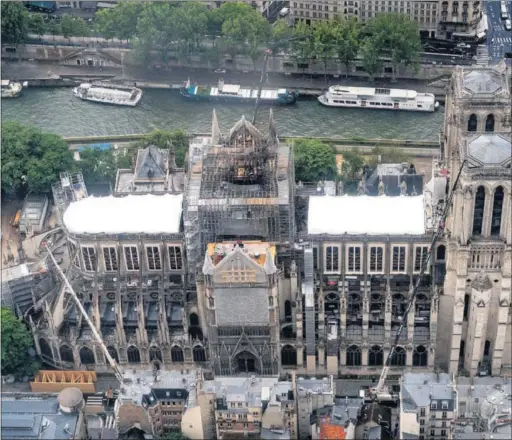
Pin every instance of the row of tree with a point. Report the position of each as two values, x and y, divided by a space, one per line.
32 160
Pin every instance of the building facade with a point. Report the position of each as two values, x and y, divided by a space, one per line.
436 18
475 321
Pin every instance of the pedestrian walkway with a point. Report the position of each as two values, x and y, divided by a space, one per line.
503 40
482 55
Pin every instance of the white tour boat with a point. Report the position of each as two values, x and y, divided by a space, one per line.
108 94
379 98
12 89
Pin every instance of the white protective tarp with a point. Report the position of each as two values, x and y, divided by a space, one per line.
148 214
379 215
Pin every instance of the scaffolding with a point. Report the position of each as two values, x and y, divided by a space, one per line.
239 186
70 188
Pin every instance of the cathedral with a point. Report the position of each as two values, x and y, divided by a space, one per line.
230 265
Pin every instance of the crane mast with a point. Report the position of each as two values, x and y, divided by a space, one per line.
380 393
117 371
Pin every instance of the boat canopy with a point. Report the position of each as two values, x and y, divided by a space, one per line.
230 88
372 92
5 82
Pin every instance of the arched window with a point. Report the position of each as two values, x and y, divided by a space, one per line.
420 356
155 354
133 354
66 354
86 356
194 319
287 311
472 123
487 348
441 253
497 208
398 358
375 356
353 356
466 306
478 213
199 354
177 354
462 349
46 351
113 353
288 355
489 123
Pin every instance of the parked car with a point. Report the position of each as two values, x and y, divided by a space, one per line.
508 24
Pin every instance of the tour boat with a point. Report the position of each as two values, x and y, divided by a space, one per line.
379 98
108 94
12 89
236 93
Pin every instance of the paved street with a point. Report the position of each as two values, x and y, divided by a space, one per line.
499 40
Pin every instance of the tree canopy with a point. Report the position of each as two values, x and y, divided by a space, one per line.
16 341
32 160
177 141
353 163
100 166
314 161
14 22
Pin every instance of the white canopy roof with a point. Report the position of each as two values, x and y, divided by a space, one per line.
132 214
380 215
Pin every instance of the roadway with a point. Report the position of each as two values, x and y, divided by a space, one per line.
499 40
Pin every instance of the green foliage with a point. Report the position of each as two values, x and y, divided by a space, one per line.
16 340
324 41
348 42
14 22
302 45
370 58
177 141
281 32
353 163
97 166
67 26
174 436
32 160
36 24
314 161
388 155
398 37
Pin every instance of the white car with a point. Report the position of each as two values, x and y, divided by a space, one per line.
220 70
508 24
463 46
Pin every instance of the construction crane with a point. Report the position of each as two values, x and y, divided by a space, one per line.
381 393
117 371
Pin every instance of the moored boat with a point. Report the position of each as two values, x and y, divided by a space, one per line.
378 98
108 94
11 89
236 93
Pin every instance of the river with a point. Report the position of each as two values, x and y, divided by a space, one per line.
56 110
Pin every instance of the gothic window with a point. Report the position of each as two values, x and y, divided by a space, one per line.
194 319
497 208
420 356
398 357
398 305
489 123
472 122
462 349
270 301
478 214
45 349
420 257
177 354
354 259
487 348
353 356
441 253
466 306
133 354
113 353
398 259
86 356
199 354
332 260
375 356
155 354
315 258
353 304
175 259
89 257
131 256
110 258
376 259
288 355
153 254
288 311
66 354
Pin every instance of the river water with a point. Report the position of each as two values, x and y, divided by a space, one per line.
56 110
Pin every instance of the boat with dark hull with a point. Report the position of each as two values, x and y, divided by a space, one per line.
235 93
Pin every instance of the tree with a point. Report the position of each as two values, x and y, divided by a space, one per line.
324 42
174 436
352 163
348 42
125 16
370 58
191 21
32 160
100 166
314 161
81 29
54 28
302 46
177 141
67 26
36 24
14 22
398 37
281 35
105 23
16 341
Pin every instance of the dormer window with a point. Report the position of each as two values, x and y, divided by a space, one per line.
433 405
444 404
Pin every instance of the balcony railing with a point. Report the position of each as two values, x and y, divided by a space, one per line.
486 257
